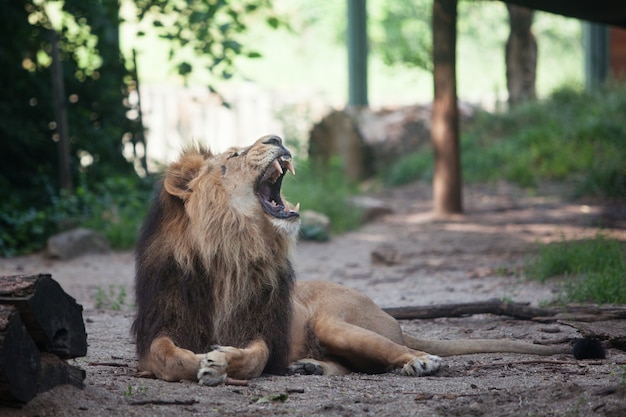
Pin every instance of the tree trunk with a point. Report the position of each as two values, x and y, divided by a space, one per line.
521 56
53 318
445 120
60 115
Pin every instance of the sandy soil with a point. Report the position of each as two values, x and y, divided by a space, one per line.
466 258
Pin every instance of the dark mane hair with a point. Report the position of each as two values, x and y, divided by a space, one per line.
184 300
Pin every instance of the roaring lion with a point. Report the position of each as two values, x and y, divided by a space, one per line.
216 293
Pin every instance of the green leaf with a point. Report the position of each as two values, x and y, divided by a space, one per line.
273 22
184 68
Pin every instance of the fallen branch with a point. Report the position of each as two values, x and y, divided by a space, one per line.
165 402
492 306
522 311
113 364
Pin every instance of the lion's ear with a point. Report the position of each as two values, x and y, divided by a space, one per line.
179 174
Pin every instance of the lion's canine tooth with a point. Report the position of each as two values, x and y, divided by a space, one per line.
290 167
297 208
277 166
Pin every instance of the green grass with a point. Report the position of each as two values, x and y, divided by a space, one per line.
572 136
114 298
594 269
325 190
408 168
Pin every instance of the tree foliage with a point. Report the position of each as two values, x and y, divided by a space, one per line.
403 34
96 81
209 29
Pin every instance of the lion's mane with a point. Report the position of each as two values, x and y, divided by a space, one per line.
207 275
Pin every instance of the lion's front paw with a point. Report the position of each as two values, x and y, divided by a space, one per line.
213 368
423 365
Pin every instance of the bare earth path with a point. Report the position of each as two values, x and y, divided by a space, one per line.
470 258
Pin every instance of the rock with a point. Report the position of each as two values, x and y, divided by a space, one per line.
76 242
385 254
314 226
367 141
337 135
369 207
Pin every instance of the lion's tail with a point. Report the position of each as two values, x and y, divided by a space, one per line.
467 346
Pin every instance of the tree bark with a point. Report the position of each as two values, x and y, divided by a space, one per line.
521 56
494 306
447 194
571 312
54 320
39 325
19 359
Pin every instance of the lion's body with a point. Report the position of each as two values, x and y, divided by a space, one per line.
216 292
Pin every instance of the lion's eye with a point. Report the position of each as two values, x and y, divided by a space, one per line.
272 141
234 154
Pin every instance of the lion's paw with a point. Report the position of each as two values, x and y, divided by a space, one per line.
213 368
305 368
422 365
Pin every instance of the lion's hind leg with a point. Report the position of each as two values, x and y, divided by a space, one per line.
367 351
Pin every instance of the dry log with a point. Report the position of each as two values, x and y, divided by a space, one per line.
492 306
55 371
54 319
19 359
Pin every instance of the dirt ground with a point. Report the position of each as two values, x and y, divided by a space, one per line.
473 257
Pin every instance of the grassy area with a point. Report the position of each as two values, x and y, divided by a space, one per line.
572 136
594 269
324 190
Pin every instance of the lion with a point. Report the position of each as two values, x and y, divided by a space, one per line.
216 293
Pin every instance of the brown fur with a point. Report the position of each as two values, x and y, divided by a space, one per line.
207 274
215 287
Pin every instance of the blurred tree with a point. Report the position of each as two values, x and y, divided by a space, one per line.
447 186
96 90
93 95
208 29
521 56
403 33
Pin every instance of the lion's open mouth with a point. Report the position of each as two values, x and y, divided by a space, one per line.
268 188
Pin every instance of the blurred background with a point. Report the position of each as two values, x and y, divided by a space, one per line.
97 96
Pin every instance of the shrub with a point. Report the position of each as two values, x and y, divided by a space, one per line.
115 207
324 189
572 136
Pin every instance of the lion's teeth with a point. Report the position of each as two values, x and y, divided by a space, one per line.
297 208
290 167
277 166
